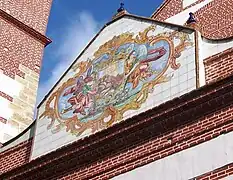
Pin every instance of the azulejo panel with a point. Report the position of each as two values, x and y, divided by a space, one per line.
123 72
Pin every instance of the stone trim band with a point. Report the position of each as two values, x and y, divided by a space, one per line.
25 28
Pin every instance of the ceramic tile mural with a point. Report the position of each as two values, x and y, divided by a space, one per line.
120 79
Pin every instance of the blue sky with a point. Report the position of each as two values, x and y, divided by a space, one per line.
71 26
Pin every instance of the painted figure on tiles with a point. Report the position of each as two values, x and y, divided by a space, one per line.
141 71
82 95
119 78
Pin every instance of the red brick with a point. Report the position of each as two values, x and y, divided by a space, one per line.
4 95
214 66
214 18
16 156
32 13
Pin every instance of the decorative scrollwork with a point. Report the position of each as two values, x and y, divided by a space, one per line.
120 77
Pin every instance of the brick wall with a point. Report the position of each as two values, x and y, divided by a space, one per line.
218 174
170 8
195 118
219 66
15 156
16 48
204 129
21 51
215 18
20 61
33 13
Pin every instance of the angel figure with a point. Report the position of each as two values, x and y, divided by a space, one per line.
83 95
141 70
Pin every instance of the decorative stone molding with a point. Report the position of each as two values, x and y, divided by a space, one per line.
43 39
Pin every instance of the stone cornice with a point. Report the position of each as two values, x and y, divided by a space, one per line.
138 129
43 39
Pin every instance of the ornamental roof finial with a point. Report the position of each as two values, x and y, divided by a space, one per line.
120 11
192 22
191 18
121 8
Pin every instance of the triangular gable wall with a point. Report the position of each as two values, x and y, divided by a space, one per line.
131 66
213 16
167 9
170 8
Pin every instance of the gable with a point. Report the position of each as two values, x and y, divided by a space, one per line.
213 16
167 9
170 8
131 66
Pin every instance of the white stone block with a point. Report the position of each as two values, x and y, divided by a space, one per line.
5 111
9 86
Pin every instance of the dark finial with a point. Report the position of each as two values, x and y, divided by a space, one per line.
121 8
191 18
